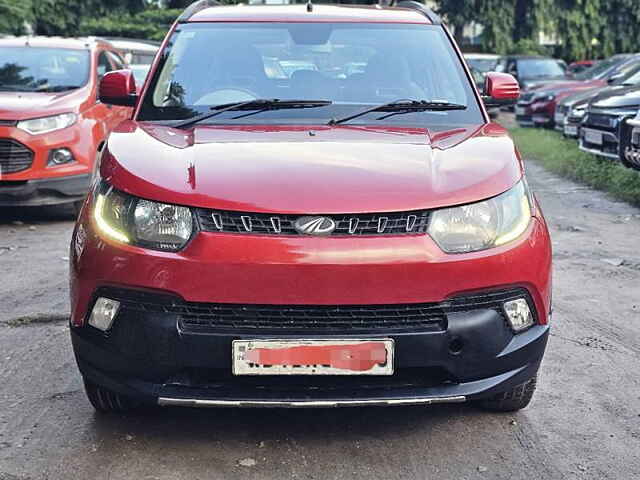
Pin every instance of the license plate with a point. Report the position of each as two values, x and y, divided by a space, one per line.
313 357
593 136
558 118
521 111
571 130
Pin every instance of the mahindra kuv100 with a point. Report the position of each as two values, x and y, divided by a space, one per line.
309 207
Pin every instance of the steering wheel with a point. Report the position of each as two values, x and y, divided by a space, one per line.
224 95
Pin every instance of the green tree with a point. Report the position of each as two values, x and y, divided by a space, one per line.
13 15
578 23
457 14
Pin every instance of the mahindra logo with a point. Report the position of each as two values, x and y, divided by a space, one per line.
314 225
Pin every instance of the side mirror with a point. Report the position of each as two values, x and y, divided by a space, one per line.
118 88
500 89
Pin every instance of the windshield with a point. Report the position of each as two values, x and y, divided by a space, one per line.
350 65
539 67
598 69
34 69
632 79
483 65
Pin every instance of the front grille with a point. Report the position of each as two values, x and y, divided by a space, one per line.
14 156
601 120
397 223
8 123
308 319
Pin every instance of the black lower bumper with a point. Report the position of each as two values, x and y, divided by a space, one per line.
150 356
45 191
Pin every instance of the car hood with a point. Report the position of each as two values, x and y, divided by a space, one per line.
583 96
22 105
621 97
340 169
536 83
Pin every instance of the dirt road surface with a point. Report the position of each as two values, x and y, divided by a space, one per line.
584 422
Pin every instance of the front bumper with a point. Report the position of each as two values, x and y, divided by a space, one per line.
151 353
608 147
152 358
44 191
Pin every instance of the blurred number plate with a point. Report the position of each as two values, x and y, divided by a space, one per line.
571 130
313 357
520 110
593 136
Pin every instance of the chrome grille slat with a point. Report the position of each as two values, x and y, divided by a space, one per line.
395 223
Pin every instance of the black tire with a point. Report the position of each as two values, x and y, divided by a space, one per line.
512 400
106 401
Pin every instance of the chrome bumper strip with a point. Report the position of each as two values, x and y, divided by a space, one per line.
193 402
599 153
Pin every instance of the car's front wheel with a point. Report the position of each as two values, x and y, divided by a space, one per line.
511 400
106 401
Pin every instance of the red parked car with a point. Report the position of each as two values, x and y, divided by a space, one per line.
352 233
52 125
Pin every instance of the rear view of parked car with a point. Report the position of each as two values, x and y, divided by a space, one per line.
52 125
482 62
532 71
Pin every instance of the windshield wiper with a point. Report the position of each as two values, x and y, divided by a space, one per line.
260 104
402 106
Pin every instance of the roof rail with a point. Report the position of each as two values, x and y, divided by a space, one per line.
195 7
422 8
199 5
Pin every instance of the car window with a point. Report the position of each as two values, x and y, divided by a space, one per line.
116 60
42 69
483 65
349 64
539 67
104 65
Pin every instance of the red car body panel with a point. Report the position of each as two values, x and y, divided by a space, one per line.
261 169
315 271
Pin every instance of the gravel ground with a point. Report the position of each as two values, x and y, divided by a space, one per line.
584 422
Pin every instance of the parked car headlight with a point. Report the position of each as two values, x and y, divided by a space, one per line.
36 126
544 98
482 225
140 222
578 112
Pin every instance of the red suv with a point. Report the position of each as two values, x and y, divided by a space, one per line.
309 207
52 124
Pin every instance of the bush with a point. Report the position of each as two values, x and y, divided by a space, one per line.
563 157
148 25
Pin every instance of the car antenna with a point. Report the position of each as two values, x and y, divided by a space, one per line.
309 6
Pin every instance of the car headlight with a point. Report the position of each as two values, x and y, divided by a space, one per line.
578 112
47 124
482 225
544 98
140 222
